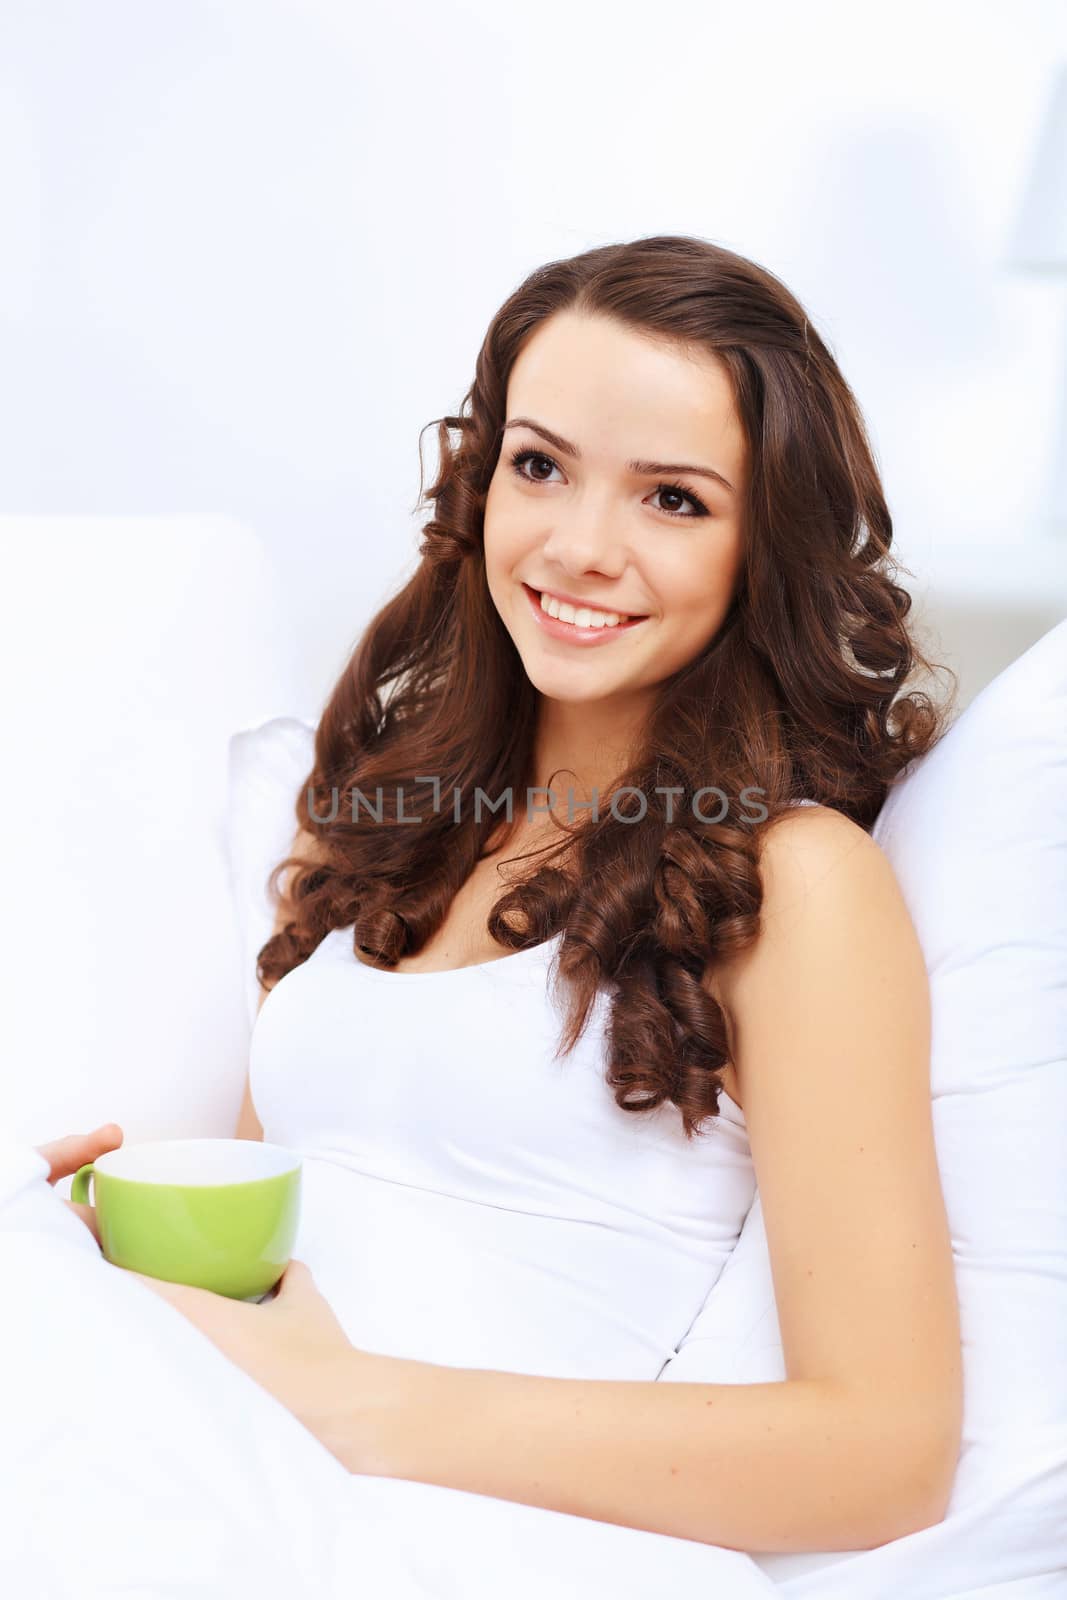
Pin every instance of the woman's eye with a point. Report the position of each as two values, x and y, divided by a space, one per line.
678 493
520 458
536 458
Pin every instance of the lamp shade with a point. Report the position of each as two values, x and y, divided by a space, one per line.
1039 242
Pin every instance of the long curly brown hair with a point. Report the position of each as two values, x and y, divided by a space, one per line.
801 693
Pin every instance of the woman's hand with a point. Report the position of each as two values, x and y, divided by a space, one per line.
292 1345
65 1156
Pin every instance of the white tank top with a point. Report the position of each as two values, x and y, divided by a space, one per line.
469 1201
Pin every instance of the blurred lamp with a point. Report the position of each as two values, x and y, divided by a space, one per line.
1039 244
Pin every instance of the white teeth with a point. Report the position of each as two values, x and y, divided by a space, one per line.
583 617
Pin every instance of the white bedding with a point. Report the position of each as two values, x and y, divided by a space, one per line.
139 1462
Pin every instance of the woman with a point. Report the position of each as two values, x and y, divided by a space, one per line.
657 434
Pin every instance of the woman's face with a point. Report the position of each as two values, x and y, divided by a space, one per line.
602 419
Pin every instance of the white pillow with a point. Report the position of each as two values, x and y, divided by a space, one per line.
267 765
977 835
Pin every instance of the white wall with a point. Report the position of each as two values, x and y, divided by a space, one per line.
251 248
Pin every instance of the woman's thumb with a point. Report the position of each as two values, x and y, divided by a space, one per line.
295 1276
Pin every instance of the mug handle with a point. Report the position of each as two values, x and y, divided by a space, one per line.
79 1187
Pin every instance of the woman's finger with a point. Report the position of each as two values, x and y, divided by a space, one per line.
66 1155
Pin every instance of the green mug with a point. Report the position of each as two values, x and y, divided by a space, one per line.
220 1214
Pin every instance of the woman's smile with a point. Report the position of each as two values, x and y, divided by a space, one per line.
557 627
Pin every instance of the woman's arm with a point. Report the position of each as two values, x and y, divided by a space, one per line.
829 1020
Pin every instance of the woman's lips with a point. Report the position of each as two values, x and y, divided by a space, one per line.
568 631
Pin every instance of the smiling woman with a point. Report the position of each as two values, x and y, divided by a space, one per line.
659 562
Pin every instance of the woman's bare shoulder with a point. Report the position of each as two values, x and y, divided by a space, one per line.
807 844
805 848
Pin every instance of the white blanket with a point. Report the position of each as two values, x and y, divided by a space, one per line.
139 1461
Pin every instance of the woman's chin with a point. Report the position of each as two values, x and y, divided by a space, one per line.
580 687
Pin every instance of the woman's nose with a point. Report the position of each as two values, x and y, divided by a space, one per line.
587 543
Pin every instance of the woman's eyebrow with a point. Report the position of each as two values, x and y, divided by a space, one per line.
644 468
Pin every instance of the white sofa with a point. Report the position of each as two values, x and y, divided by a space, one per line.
158 744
